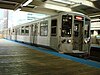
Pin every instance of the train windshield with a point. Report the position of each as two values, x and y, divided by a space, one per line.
66 26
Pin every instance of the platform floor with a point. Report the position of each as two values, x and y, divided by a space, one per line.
16 59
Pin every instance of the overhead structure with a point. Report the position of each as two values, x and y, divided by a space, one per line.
51 7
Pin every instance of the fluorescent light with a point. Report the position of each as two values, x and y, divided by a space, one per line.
93 0
63 1
26 3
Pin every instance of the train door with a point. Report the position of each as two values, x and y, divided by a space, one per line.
54 38
78 33
35 33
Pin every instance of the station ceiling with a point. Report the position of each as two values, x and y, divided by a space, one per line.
51 7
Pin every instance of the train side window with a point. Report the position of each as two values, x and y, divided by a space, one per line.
27 30
22 30
44 28
66 26
53 27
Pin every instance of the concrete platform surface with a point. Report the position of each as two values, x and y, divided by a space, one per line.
16 59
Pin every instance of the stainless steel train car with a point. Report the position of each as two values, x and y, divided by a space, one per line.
65 32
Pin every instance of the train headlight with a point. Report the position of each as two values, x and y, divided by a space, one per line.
85 40
69 41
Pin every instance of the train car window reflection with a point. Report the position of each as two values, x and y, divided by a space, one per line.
44 31
66 25
44 28
54 27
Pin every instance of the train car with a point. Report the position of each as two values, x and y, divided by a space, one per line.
65 32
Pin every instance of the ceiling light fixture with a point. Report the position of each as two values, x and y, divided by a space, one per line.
26 3
63 1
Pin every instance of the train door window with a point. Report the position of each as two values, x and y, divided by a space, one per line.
22 30
66 26
76 30
44 28
27 30
54 27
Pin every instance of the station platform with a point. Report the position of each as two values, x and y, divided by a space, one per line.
21 59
